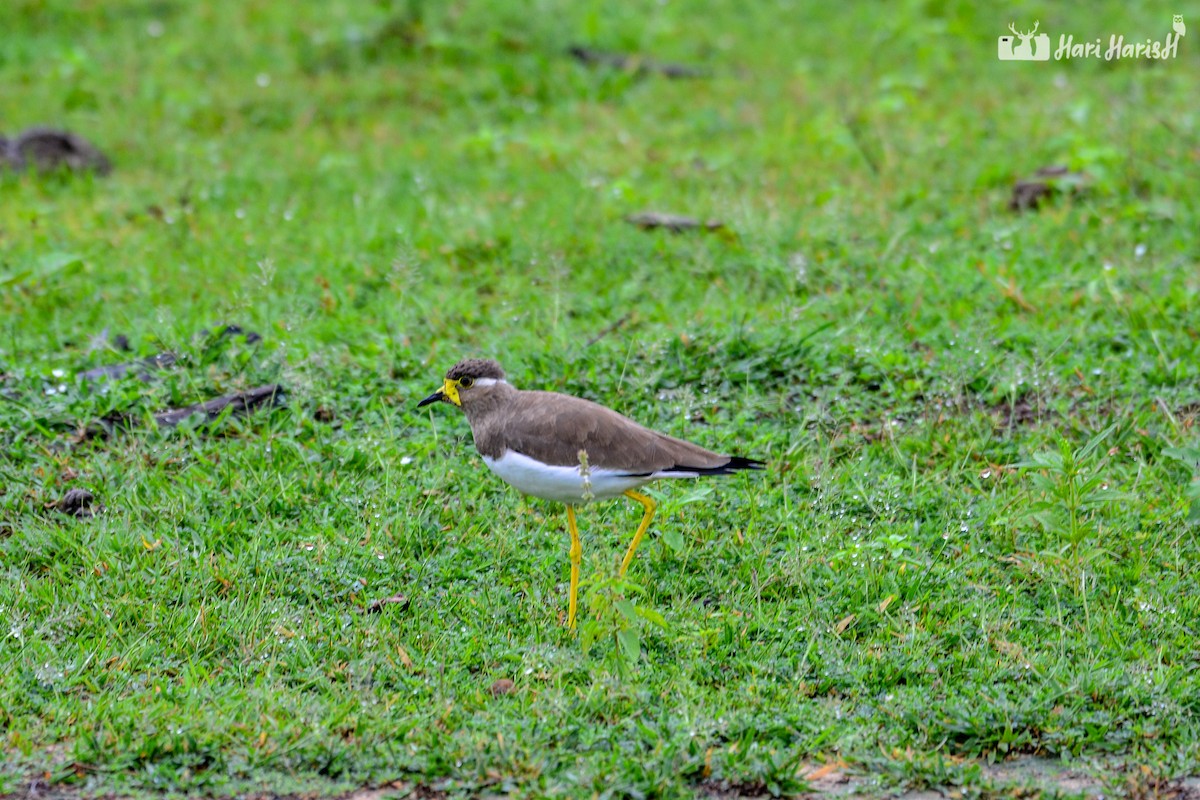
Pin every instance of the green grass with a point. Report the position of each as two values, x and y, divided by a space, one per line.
976 538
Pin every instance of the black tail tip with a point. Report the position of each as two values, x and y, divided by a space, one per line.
738 463
734 464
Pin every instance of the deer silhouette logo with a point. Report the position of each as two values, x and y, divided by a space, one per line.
1032 47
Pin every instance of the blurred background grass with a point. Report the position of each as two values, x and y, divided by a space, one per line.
379 188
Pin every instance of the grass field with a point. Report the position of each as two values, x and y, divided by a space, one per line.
976 539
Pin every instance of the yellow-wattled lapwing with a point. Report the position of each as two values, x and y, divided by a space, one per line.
570 450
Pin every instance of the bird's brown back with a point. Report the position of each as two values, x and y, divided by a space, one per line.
553 428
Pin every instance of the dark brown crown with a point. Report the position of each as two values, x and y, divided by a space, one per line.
476 368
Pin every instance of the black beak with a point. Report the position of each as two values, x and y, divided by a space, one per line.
433 398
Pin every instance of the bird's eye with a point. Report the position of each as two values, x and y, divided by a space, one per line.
466 383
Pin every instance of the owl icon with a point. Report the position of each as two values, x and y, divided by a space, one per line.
1178 26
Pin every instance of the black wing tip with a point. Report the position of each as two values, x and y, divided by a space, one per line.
739 463
734 464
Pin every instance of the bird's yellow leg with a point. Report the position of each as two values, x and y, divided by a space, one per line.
649 505
576 553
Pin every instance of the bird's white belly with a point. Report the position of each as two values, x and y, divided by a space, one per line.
563 484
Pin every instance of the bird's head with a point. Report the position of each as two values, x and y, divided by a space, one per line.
468 383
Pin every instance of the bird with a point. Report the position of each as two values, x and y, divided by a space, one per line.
570 450
1178 26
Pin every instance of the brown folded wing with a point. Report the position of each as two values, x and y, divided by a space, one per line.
553 428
